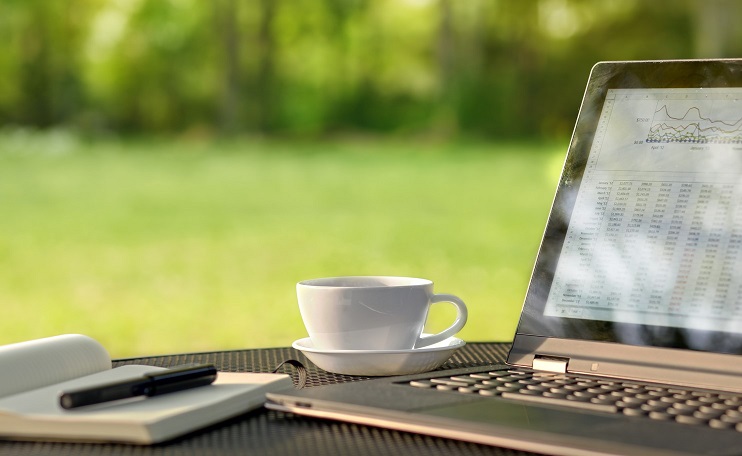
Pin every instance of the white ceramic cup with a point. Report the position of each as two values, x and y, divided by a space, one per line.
372 312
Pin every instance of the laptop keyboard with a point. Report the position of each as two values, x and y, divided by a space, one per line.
716 410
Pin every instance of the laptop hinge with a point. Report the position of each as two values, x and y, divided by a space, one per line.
550 364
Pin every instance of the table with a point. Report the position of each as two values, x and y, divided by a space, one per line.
267 432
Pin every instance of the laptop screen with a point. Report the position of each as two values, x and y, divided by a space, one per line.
644 242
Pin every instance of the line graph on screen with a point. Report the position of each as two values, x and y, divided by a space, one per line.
681 123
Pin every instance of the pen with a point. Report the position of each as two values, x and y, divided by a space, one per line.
154 384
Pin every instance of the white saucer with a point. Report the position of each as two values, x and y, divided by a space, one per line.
380 362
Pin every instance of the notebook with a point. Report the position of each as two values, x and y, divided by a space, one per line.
630 336
34 373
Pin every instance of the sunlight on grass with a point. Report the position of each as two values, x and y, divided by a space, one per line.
162 247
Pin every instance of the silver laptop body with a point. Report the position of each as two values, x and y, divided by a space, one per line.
638 282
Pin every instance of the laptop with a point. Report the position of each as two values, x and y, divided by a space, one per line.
630 336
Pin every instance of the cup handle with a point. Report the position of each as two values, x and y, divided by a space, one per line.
459 323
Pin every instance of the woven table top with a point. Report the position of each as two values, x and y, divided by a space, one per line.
274 433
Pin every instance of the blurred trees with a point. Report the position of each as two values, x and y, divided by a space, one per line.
504 68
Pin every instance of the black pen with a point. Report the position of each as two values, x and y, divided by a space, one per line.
162 382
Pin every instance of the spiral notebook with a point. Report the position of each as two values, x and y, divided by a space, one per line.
34 373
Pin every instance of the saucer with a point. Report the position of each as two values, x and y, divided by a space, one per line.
380 362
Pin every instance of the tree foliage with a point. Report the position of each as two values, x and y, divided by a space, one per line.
501 68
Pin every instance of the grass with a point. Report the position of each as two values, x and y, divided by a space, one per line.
167 246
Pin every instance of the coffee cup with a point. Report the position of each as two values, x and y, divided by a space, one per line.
372 312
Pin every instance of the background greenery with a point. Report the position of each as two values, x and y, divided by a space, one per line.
170 168
488 67
191 246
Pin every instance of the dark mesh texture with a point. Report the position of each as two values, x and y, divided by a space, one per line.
265 432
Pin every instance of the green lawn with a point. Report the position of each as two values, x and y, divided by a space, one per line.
169 246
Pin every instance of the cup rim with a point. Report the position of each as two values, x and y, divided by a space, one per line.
344 282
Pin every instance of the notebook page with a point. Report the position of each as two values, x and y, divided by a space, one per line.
33 364
45 400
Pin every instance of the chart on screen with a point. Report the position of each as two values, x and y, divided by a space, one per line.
656 230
